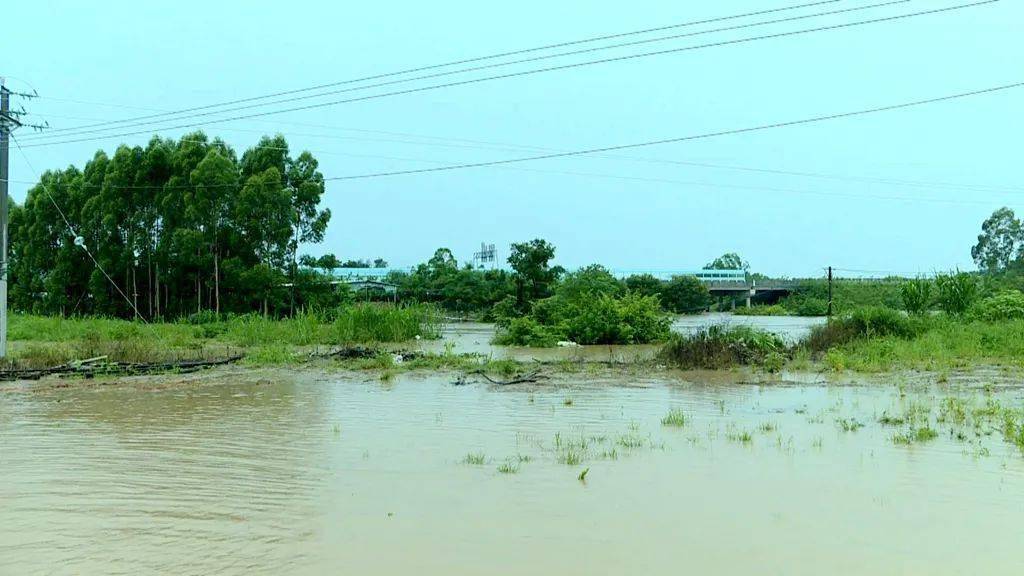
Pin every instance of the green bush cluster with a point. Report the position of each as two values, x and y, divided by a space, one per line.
810 298
599 319
868 322
1007 305
589 307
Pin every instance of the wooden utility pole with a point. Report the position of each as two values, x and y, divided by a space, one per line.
830 292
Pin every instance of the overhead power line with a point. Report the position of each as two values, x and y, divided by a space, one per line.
475 144
929 185
527 72
483 67
458 63
734 131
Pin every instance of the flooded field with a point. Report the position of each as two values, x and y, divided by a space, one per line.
790 328
310 473
475 337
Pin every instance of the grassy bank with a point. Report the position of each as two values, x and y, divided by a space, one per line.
39 341
943 345
872 339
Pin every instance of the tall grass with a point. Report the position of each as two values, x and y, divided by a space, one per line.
353 324
946 344
865 323
39 341
916 295
957 292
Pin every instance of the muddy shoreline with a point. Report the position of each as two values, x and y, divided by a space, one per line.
621 374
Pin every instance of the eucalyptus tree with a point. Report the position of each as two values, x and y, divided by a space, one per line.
180 225
1001 241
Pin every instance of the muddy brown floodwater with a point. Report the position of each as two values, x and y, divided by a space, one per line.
310 473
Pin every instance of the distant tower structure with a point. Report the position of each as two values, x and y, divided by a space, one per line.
486 257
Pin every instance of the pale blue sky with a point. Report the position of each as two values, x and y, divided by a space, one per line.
640 214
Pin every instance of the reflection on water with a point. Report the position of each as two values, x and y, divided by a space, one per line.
790 328
346 476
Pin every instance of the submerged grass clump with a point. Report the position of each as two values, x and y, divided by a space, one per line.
571 456
675 417
916 435
475 459
850 424
508 467
741 436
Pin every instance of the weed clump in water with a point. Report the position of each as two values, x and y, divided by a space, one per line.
508 467
717 347
922 434
475 459
743 437
675 417
850 424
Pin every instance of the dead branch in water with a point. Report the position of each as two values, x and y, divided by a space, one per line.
525 379
95 367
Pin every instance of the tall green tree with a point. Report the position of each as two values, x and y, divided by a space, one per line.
309 222
728 261
533 273
211 202
1001 241
685 295
180 225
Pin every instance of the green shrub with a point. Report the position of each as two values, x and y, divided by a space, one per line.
526 331
869 322
772 310
916 295
811 307
719 346
645 284
643 318
504 311
880 321
685 295
632 319
810 298
589 318
204 317
1008 305
957 292
587 282
773 362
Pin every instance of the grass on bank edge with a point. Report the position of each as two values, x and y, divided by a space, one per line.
40 341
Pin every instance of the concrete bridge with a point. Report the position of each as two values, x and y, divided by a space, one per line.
770 290
724 283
